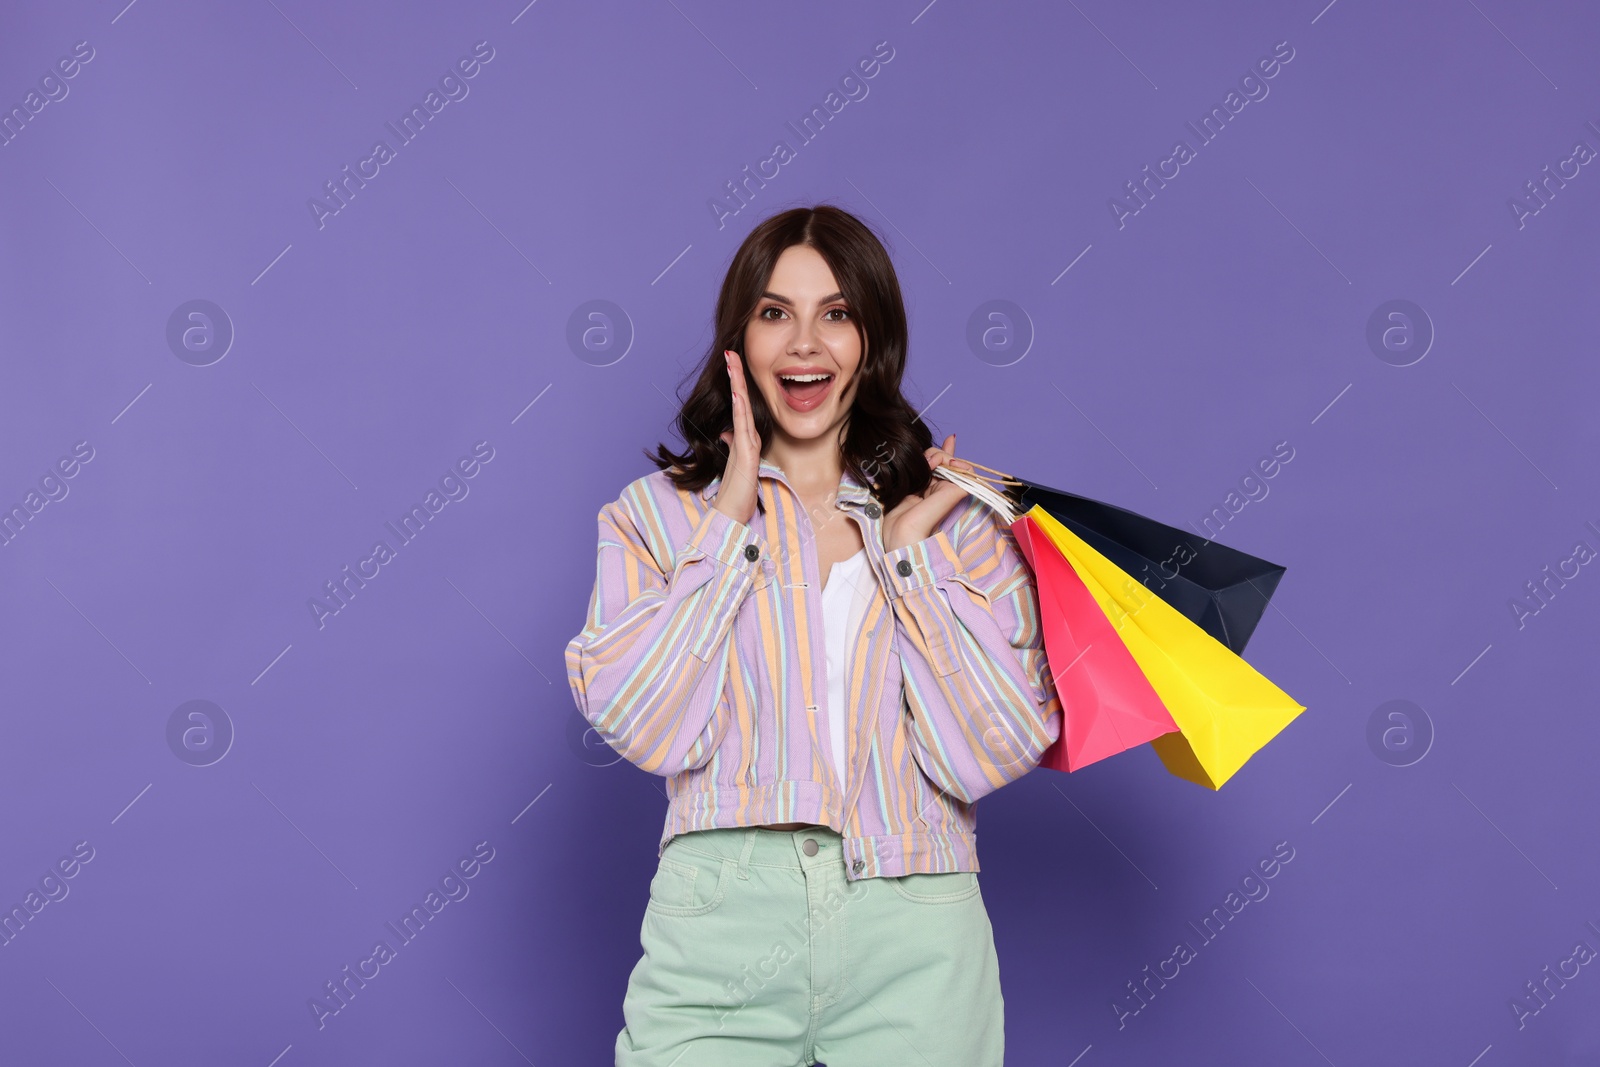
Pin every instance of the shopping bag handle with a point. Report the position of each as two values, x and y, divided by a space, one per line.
977 486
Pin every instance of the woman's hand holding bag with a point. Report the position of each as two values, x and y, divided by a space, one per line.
916 517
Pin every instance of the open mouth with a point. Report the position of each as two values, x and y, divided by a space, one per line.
804 391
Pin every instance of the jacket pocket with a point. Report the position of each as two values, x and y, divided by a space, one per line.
688 883
934 889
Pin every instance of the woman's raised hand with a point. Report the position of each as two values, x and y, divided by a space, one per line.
916 517
736 495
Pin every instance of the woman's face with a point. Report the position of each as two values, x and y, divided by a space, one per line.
801 348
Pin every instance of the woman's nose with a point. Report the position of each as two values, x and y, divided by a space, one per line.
805 338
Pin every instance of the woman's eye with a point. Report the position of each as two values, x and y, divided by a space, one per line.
770 307
841 311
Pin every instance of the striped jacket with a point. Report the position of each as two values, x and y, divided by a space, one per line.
703 661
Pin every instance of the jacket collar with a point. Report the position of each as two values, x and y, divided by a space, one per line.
850 491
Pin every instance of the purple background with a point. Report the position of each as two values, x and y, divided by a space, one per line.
433 311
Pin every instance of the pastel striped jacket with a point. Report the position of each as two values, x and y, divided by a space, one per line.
703 661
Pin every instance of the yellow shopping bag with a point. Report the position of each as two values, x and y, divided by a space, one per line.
1225 709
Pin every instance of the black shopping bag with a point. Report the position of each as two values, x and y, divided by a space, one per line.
1222 590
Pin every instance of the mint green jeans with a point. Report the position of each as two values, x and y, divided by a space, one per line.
759 953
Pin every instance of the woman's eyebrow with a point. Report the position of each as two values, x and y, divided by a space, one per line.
830 298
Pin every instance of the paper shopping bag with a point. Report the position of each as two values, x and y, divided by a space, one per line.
1220 588
1107 704
1225 709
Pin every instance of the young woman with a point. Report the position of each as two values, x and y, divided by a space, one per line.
830 655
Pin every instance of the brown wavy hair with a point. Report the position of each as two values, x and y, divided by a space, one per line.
884 439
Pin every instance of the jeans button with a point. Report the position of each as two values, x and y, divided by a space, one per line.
809 847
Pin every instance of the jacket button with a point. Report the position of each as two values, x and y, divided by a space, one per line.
857 865
904 567
752 553
873 511
809 847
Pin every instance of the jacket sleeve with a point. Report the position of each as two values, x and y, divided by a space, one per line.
980 698
649 668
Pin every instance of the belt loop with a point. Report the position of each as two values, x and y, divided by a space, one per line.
744 855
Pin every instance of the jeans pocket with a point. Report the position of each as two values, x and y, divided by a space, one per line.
688 882
934 889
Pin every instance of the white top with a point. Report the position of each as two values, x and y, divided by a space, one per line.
845 597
